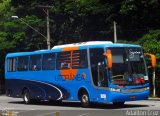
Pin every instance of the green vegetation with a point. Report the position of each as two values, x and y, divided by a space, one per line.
151 43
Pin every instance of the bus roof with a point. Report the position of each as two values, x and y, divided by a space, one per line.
90 44
94 44
83 44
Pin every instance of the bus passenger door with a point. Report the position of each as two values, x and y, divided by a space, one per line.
98 72
102 78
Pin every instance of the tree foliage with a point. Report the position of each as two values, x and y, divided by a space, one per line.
151 43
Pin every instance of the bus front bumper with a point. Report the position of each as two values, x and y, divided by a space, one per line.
122 97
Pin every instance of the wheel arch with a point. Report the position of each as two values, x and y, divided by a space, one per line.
23 89
81 90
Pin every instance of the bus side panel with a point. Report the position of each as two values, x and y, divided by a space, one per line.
81 80
37 89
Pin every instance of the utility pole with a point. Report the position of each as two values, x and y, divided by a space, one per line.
153 61
46 11
154 83
48 31
115 32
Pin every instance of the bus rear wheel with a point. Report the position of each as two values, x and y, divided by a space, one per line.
85 100
26 97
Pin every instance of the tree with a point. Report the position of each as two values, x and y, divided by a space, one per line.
138 17
27 37
151 43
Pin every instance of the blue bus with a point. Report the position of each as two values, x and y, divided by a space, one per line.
89 72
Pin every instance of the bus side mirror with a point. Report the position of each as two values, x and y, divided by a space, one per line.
109 58
153 59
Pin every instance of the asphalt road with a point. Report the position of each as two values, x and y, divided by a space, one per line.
15 107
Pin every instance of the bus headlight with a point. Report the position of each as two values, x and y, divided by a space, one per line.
114 89
146 88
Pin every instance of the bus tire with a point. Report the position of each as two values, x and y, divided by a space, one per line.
26 97
84 98
118 103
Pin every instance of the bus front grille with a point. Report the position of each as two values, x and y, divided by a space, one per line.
133 90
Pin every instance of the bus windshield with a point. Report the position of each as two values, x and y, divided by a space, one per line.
128 66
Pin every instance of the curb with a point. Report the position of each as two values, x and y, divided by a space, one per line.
156 99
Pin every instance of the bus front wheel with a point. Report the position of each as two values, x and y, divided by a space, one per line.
26 97
85 100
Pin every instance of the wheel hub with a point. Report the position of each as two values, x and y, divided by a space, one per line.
85 98
25 98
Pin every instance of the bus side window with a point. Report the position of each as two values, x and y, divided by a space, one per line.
35 62
79 59
22 63
48 61
65 65
63 60
11 67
